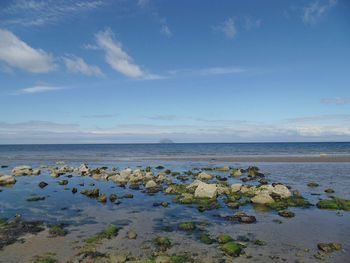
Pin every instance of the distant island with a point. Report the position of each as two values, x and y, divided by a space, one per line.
165 141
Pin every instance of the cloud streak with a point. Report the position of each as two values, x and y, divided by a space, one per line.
78 65
38 89
317 9
116 57
18 54
39 13
336 101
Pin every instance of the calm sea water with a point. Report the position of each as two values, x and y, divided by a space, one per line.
91 152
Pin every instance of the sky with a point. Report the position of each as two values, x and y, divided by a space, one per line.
139 71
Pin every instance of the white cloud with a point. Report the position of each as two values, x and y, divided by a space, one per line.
208 71
251 23
116 57
202 131
228 28
78 65
18 54
336 101
143 3
40 12
315 10
164 29
38 89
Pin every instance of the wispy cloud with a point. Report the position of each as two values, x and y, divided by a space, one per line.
228 27
231 25
38 89
148 6
118 59
78 65
336 101
44 131
208 71
40 12
18 54
100 116
316 9
165 117
251 23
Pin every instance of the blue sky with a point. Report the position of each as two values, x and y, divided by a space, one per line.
192 71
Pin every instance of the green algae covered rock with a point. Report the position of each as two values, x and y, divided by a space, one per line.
232 249
224 238
163 243
187 226
334 204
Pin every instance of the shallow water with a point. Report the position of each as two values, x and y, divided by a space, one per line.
295 238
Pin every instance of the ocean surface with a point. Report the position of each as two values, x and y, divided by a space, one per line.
100 152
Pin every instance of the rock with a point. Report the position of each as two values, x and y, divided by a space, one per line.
35 198
93 193
329 191
236 172
232 249
63 182
206 190
334 204
113 197
236 188
163 259
42 184
163 243
204 176
7 180
286 213
246 219
329 247
118 258
262 198
74 190
102 198
187 226
150 184
312 184
223 168
83 169
132 234
224 238
282 191
36 172
22 170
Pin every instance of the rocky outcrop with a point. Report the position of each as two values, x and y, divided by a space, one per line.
204 190
7 180
22 170
262 198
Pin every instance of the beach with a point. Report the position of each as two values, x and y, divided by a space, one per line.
192 226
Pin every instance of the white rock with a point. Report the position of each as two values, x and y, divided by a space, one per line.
36 172
194 184
7 179
282 191
83 169
236 173
22 170
206 190
150 184
262 198
236 188
204 176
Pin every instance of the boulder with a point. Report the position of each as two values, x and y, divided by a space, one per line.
204 176
236 188
150 184
236 172
206 190
7 179
83 169
282 191
262 198
22 170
